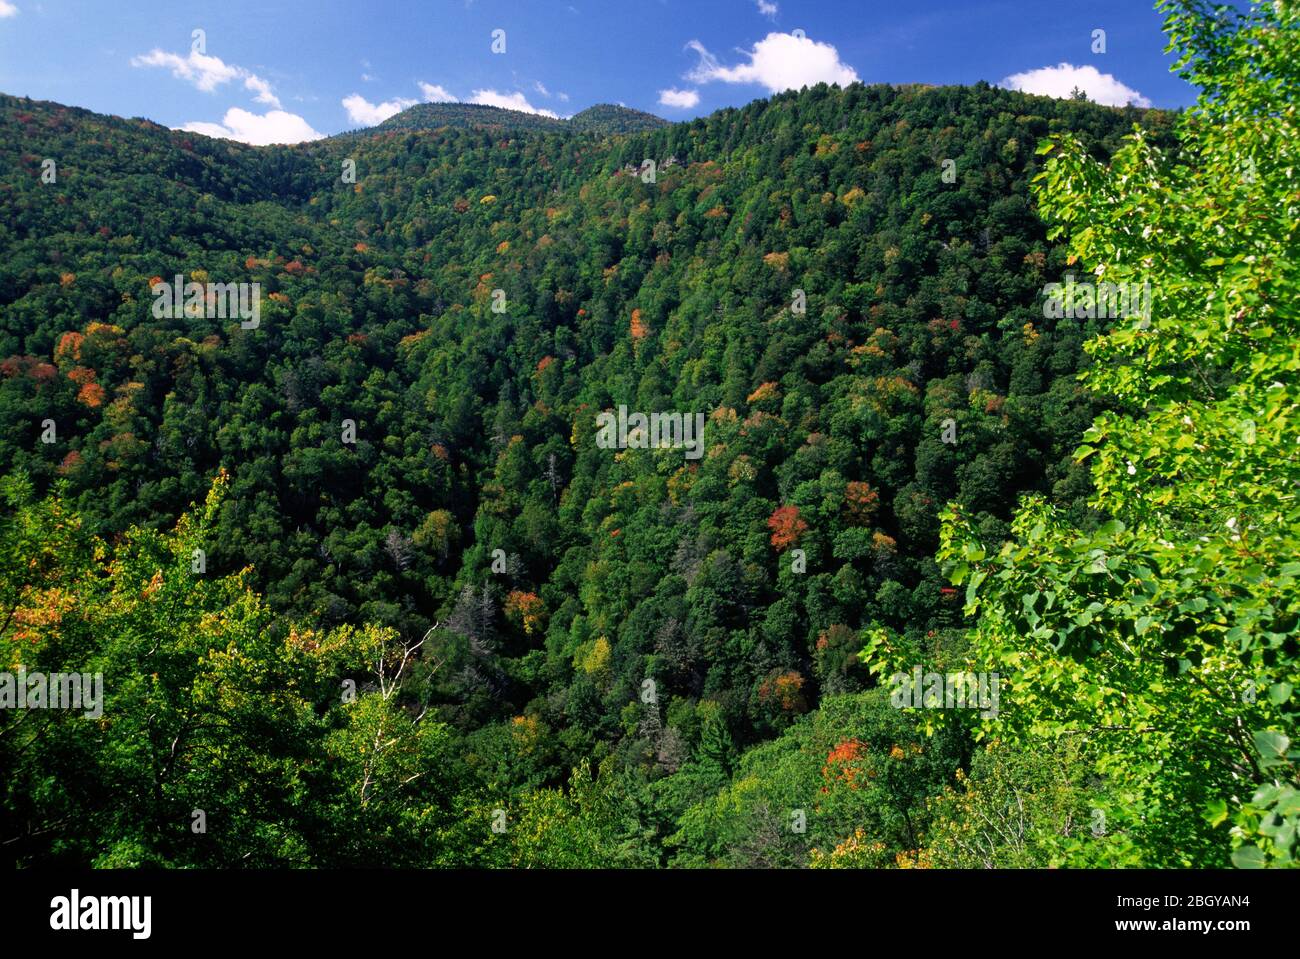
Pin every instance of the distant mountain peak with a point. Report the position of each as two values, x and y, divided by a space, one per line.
622 119
606 118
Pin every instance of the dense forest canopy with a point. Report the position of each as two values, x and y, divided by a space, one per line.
367 587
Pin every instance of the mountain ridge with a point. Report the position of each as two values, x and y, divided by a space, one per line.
602 118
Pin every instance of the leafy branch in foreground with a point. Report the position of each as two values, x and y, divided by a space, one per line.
1166 637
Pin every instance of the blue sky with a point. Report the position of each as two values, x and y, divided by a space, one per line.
272 71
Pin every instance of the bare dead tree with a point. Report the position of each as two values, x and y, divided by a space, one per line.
399 548
552 475
390 666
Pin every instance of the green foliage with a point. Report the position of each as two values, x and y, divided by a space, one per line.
592 826
1025 809
1165 638
857 767
212 713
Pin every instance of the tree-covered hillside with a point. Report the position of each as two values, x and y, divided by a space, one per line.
561 653
605 119
920 300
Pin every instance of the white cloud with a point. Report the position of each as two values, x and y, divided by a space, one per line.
206 73
433 93
1060 80
274 126
560 95
509 101
262 89
364 113
780 61
680 99
766 9
7 9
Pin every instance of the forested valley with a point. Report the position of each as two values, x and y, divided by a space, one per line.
367 589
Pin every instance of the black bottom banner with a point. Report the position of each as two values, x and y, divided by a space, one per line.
372 907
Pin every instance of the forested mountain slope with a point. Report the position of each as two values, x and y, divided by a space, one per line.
859 320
